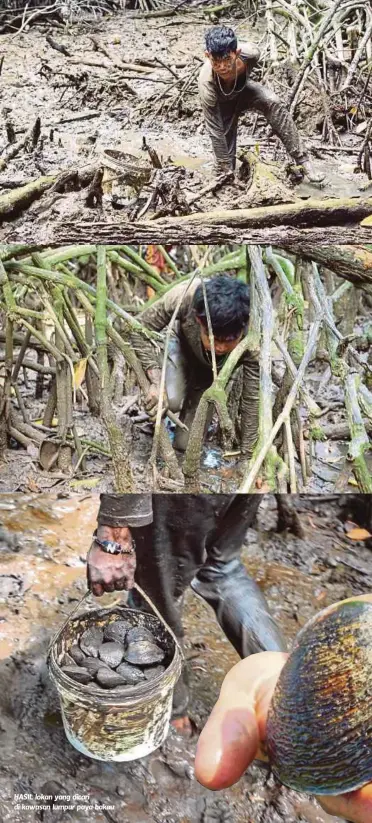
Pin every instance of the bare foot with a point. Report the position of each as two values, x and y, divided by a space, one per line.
182 725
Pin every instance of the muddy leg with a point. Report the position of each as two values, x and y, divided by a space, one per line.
183 400
188 413
259 98
199 380
223 582
169 553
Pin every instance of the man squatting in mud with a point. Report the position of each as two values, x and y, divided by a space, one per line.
226 91
166 542
189 367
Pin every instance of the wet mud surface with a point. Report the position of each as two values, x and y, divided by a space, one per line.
85 109
43 546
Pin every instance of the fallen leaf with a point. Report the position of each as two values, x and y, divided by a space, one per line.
359 534
361 127
352 481
367 221
40 422
155 258
79 372
227 472
349 525
31 485
86 482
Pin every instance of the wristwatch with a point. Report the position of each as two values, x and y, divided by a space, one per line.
111 547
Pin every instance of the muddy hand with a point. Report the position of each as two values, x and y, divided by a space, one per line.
111 572
152 400
235 734
313 175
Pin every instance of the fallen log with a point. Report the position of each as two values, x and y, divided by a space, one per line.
304 213
339 431
215 226
353 263
14 202
71 231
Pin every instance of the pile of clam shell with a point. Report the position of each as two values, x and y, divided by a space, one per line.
114 657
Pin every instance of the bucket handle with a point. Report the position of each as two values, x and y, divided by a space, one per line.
85 597
64 624
157 613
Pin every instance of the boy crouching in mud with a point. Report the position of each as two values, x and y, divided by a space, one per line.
226 91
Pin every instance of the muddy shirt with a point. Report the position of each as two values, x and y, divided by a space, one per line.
158 316
214 101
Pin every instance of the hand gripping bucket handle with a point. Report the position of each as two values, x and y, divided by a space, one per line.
85 597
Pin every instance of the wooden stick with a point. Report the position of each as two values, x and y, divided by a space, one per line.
254 469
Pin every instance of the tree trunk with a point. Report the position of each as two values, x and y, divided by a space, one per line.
118 442
353 263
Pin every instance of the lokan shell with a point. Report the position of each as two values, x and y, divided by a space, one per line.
139 633
111 653
91 640
319 726
78 673
116 630
144 653
131 674
77 655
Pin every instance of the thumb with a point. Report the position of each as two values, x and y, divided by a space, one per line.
231 737
227 744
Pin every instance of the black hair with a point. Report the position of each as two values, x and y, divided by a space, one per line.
228 302
220 41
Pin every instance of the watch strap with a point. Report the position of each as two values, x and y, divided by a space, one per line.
112 547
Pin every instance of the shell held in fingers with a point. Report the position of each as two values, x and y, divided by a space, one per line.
319 726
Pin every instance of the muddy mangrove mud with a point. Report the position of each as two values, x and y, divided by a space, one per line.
326 558
116 125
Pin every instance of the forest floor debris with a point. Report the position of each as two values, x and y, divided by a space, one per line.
95 95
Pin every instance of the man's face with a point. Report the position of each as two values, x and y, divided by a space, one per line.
224 66
220 346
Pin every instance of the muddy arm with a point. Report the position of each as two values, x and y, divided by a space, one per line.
250 404
213 120
132 510
157 318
